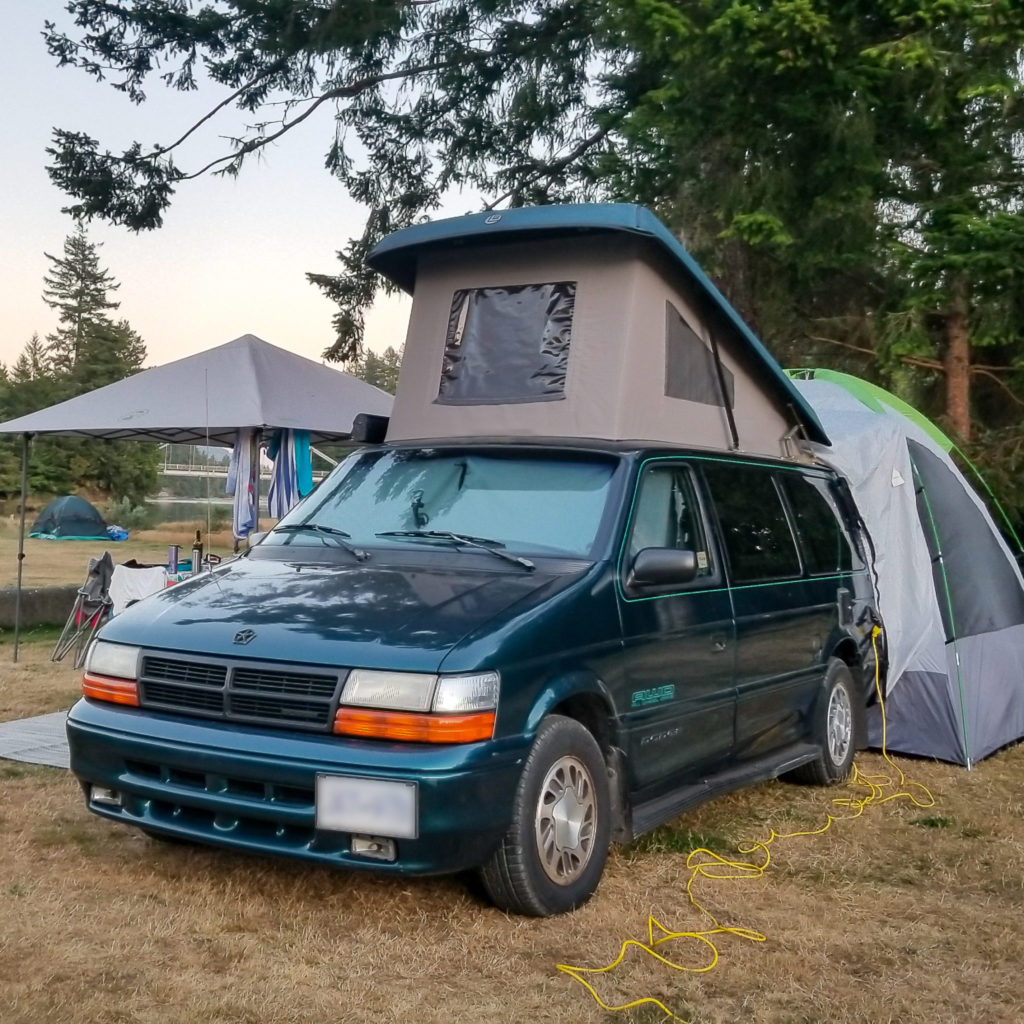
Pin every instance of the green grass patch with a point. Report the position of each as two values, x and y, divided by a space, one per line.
648 1013
67 833
21 770
935 822
679 839
43 635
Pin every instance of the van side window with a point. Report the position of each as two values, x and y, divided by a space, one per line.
825 546
666 515
755 528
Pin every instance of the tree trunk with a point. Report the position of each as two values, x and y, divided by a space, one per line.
957 362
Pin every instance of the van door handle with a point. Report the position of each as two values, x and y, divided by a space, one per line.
719 642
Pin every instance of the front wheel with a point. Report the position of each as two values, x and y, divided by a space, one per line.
835 730
551 858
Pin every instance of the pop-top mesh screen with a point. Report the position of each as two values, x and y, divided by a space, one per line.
507 344
690 370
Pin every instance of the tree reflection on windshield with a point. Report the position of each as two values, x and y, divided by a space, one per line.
523 502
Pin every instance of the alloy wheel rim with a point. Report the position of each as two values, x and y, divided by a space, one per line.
566 820
840 725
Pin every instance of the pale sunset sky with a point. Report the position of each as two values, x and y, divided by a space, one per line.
232 255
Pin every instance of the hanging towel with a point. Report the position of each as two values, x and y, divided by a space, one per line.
240 484
292 478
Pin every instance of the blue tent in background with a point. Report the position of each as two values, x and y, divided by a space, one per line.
69 518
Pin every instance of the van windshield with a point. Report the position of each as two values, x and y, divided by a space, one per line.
525 503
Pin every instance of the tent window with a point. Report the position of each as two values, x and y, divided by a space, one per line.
826 548
508 344
965 551
754 524
690 370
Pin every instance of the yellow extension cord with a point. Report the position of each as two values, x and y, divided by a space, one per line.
703 863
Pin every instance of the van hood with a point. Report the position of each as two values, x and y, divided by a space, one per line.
385 616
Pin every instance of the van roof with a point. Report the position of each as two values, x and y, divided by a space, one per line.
396 257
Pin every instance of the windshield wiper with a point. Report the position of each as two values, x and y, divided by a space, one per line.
484 543
326 533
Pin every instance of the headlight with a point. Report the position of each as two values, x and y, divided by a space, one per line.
115 660
399 691
417 707
463 694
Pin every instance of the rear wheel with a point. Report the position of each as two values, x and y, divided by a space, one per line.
553 853
835 730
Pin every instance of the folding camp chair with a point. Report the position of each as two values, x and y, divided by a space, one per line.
91 609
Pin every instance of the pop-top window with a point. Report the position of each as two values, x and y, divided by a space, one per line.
507 344
690 369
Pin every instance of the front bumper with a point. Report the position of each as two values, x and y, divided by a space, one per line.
254 789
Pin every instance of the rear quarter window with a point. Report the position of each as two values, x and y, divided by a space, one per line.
754 525
825 544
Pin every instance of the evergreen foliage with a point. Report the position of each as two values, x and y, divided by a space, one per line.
379 370
851 171
87 350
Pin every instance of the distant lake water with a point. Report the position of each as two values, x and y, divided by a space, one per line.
178 510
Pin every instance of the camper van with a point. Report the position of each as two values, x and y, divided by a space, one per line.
586 577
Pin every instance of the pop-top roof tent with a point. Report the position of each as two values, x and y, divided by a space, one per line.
578 321
949 590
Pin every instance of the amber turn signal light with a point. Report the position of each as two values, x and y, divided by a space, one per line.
412 727
116 691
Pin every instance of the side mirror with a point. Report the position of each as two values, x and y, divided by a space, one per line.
254 538
662 567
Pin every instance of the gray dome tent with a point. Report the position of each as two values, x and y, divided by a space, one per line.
950 591
69 518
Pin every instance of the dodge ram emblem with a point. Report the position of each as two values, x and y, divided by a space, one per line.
244 636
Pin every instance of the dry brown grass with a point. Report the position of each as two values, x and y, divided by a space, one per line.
50 562
903 915
35 685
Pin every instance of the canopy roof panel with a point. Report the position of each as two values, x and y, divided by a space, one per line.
209 396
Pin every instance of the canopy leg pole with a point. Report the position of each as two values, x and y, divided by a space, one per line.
26 438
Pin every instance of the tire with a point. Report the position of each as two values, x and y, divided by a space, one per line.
546 866
835 730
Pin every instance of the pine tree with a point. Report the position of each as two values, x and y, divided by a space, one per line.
379 370
78 288
32 386
87 351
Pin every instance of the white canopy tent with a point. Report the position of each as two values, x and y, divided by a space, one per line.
207 398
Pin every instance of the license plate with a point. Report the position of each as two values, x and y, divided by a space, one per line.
376 807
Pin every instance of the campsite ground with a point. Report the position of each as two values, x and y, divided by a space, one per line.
50 563
906 914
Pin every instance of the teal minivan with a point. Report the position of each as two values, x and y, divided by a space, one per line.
593 573
490 656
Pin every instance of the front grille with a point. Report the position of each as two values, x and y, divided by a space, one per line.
192 673
184 698
289 696
262 681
